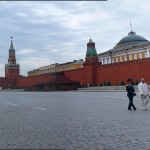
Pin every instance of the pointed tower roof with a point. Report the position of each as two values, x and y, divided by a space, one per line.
91 51
11 45
90 41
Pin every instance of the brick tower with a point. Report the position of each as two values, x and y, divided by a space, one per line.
12 69
91 61
91 54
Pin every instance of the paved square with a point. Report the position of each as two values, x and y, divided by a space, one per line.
72 121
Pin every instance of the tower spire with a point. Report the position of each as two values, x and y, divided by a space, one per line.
131 26
11 45
90 41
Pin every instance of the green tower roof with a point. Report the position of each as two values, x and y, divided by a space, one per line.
91 51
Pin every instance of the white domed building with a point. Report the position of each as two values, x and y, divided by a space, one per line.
130 47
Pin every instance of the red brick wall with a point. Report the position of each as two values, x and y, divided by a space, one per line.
12 74
96 73
4 82
115 73
76 75
33 80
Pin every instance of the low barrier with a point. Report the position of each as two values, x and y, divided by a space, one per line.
108 88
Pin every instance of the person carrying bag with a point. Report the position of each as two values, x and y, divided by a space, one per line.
130 93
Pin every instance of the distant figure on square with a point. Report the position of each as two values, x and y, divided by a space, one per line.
130 93
143 91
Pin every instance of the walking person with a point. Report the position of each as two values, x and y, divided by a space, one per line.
143 91
130 93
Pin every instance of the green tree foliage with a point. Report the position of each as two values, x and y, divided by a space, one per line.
101 84
105 84
108 83
122 83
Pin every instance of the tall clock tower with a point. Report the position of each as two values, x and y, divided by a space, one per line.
12 69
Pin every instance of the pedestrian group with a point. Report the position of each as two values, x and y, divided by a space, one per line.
143 92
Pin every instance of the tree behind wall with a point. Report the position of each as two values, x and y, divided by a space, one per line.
108 83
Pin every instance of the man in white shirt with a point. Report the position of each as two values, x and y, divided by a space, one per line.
143 91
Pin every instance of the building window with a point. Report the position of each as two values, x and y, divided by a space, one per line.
121 58
145 53
100 60
112 60
103 60
107 60
135 56
130 57
140 55
116 59
125 58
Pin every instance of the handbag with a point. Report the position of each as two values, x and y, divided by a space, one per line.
134 94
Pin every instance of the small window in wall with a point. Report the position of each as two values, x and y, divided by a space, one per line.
130 57
103 60
100 60
140 55
107 60
121 58
112 60
135 56
145 53
125 58
116 59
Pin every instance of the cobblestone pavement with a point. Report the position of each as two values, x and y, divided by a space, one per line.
72 121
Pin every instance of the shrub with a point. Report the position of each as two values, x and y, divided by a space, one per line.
136 82
105 84
122 83
85 86
109 83
133 82
101 84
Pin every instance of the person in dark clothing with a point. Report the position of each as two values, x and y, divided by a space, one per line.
130 93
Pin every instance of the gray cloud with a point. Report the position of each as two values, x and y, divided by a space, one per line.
55 32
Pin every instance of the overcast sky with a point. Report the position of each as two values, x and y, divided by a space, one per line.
56 32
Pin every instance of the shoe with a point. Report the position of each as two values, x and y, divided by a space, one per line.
129 109
134 108
143 108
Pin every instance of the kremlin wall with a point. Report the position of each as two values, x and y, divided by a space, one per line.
130 58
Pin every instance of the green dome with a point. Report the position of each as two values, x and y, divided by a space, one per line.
132 37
